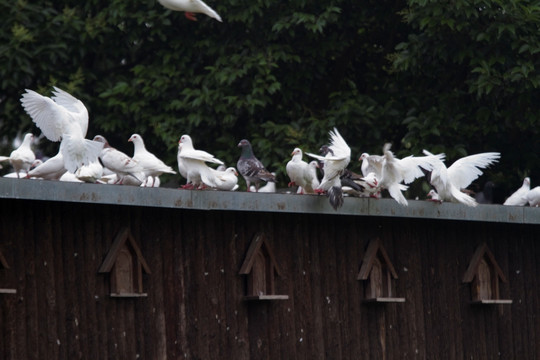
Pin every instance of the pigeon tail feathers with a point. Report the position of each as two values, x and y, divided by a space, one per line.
335 197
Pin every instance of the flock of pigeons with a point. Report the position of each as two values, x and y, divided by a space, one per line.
63 118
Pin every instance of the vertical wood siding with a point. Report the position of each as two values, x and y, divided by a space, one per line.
195 307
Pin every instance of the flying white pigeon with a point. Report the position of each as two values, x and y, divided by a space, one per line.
518 198
23 157
127 170
52 169
335 162
191 7
251 168
150 164
193 161
533 196
371 164
63 118
406 170
226 180
448 182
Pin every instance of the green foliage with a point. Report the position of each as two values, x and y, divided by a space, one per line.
459 77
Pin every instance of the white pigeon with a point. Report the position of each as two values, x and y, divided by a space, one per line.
127 170
433 196
198 174
23 157
150 164
63 118
406 170
371 164
448 182
310 174
52 169
190 7
518 198
156 182
335 162
533 196
226 180
269 187
299 173
70 177
367 186
181 163
90 173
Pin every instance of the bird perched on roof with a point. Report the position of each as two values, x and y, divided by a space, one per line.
63 118
150 164
193 162
406 170
371 164
270 187
360 186
448 182
301 173
191 7
90 173
335 162
433 196
533 196
23 157
226 180
518 198
52 169
120 163
251 169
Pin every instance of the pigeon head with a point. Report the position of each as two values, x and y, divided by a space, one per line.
232 171
364 156
135 138
28 138
244 143
247 151
101 139
297 151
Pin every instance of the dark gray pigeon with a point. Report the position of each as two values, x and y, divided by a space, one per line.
251 168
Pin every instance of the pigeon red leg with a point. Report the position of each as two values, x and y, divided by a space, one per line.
190 16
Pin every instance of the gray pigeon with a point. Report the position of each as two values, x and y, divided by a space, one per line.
251 168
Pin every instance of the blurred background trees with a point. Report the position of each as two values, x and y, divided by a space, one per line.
457 77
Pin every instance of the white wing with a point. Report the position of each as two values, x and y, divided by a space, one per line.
465 170
73 105
199 155
50 117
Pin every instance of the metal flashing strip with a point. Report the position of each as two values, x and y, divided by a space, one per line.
43 190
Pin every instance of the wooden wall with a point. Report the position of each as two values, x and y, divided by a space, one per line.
195 307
